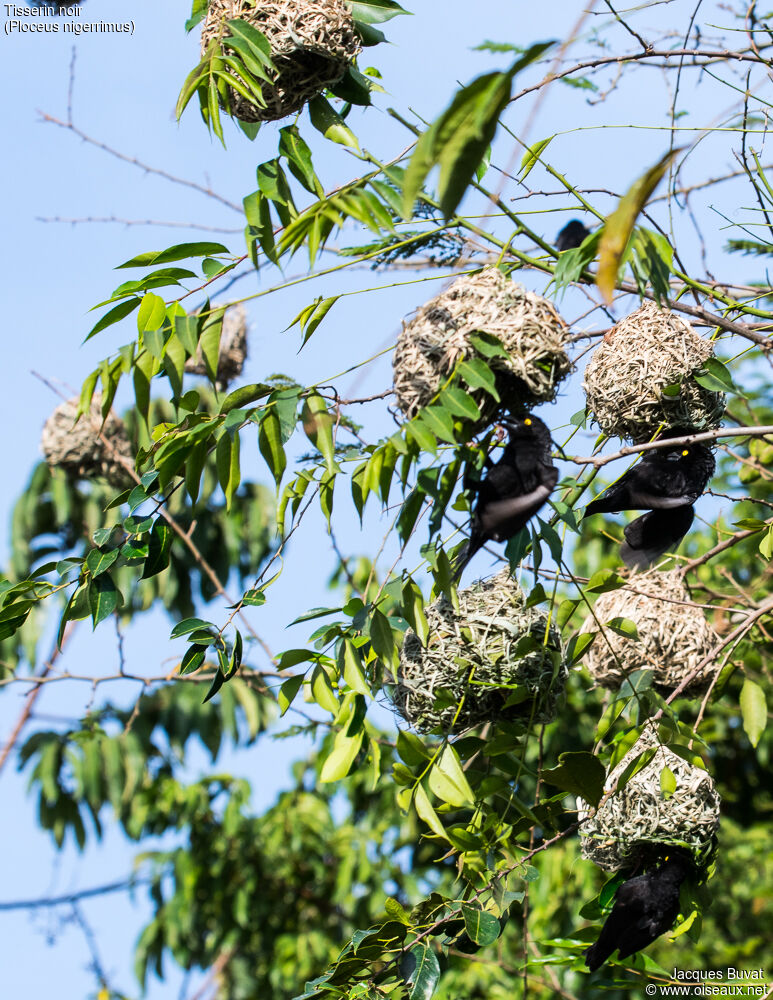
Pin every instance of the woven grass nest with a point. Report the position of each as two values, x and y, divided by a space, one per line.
673 638
77 447
312 43
492 651
233 349
630 823
437 338
644 354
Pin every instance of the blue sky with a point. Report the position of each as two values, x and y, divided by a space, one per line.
123 95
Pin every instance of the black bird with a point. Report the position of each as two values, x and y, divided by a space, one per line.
513 490
651 535
646 906
571 235
665 482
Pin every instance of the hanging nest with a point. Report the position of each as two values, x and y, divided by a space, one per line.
312 44
88 448
673 638
232 351
528 326
624 830
490 661
640 378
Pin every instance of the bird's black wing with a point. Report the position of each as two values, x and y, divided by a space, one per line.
651 535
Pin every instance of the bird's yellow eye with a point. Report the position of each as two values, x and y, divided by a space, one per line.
686 451
527 421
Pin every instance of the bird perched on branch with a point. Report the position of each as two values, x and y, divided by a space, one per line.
571 235
665 482
646 906
513 489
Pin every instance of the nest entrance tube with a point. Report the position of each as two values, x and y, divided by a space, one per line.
641 378
493 660
312 43
88 448
640 817
438 337
673 638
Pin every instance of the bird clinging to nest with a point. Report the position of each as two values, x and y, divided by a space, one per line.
513 489
646 906
666 483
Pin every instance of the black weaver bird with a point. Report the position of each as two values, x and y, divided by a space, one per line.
571 235
646 906
665 482
513 490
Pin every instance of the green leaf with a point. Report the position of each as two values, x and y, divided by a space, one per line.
374 11
426 812
311 316
604 580
477 374
381 637
104 598
193 659
97 561
152 313
532 155
189 625
228 467
577 646
270 444
181 251
482 927
396 911
352 669
754 711
158 549
298 155
327 121
460 403
114 315
624 627
459 138
618 227
439 421
421 971
667 782
448 781
322 690
580 773
318 427
411 749
715 376
288 691
338 764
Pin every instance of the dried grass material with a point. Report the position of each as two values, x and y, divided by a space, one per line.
312 43
77 448
476 660
528 326
642 355
673 638
624 829
233 349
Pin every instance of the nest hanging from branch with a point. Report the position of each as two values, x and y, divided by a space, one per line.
490 661
87 449
438 337
232 352
673 638
641 377
626 828
312 44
